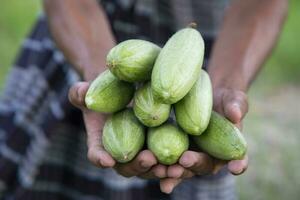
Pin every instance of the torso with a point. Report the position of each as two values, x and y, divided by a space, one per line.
156 20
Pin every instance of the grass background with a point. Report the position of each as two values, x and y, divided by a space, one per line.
271 127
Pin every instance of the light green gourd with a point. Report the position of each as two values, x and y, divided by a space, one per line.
149 111
194 110
167 142
222 139
177 66
132 60
123 136
108 94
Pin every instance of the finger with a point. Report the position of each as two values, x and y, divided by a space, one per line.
94 123
237 167
198 162
96 153
177 171
77 94
160 171
235 105
217 100
157 171
142 163
100 158
168 184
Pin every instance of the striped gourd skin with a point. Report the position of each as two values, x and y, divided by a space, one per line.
222 139
123 136
108 94
167 143
194 110
149 111
177 66
132 60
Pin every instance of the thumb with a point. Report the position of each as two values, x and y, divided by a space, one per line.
235 105
94 123
77 94
167 185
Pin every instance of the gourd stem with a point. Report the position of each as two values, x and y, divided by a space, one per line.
193 25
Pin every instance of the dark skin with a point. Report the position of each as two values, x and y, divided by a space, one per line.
248 34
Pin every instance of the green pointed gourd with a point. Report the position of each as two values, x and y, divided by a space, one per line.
132 60
177 66
222 139
149 111
194 110
108 94
123 136
167 142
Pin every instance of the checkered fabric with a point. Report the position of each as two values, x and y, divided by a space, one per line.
42 140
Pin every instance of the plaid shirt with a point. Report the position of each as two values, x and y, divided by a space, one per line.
42 141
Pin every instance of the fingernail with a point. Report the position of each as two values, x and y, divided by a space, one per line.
168 190
236 108
239 172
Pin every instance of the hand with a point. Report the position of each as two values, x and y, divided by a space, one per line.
144 164
233 105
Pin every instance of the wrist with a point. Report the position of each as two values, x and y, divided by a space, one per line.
231 84
89 69
91 72
94 63
229 79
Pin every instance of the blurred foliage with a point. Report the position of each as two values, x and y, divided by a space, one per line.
272 132
271 126
284 63
16 17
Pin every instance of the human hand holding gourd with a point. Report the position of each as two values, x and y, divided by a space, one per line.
144 164
81 31
232 104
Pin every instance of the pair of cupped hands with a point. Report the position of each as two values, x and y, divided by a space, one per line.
228 102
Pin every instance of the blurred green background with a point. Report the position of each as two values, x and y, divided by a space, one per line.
271 127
